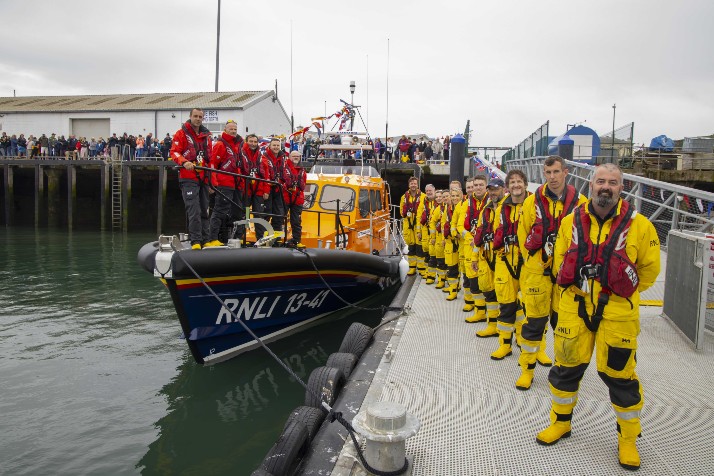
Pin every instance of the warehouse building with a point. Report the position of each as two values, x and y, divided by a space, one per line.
257 112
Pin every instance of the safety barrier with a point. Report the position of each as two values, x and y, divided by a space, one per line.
668 206
689 293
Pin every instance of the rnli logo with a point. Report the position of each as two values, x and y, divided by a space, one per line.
625 341
563 331
632 275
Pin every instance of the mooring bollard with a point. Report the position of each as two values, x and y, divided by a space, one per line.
386 427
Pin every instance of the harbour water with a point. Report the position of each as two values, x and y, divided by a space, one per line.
95 379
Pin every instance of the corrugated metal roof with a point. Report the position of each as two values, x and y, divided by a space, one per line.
132 102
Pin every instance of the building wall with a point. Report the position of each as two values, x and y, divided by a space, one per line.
263 118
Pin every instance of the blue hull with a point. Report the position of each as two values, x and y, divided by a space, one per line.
285 295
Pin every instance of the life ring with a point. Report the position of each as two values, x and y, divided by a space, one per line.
356 339
312 418
323 386
284 456
343 361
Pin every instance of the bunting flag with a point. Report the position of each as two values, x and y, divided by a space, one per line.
318 126
700 205
710 205
686 200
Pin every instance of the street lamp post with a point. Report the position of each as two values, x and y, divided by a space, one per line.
612 147
352 118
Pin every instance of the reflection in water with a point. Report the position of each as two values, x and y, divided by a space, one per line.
89 341
223 419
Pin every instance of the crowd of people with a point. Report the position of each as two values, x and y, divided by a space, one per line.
404 150
275 190
130 147
552 257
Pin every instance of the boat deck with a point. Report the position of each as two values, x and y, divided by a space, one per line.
474 421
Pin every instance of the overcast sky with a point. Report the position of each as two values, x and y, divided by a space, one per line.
506 65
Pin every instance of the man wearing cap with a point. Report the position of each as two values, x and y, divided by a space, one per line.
537 231
476 203
486 263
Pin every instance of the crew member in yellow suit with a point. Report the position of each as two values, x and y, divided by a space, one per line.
486 263
599 307
451 242
508 263
476 202
437 238
408 209
457 223
537 229
426 206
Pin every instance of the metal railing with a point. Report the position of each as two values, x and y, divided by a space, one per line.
667 206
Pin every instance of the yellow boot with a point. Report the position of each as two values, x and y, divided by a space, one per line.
412 265
504 348
440 279
490 330
478 316
558 429
213 243
430 275
627 433
541 356
468 301
525 381
452 289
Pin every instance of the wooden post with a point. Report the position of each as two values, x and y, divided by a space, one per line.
126 196
53 178
71 194
9 195
39 194
104 180
162 199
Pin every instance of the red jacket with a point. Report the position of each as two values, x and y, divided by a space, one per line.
278 165
257 166
294 180
192 147
225 156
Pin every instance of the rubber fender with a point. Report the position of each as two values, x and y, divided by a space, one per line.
323 385
343 361
312 418
260 472
356 339
284 456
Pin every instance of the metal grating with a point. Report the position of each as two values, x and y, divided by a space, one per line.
474 421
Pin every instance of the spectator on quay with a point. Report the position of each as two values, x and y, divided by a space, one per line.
111 143
307 148
166 146
447 142
388 150
21 146
420 150
131 143
428 151
31 143
92 148
101 147
61 147
44 145
379 149
438 149
4 145
148 142
13 146
71 147
78 148
404 145
413 151
53 145
139 141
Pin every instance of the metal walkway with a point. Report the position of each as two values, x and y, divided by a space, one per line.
474 421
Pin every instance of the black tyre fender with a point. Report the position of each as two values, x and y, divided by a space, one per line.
356 339
284 456
312 418
323 385
343 361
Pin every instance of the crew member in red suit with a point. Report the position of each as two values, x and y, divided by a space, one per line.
258 191
191 147
277 157
229 189
294 178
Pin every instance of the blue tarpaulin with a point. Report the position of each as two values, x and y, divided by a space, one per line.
662 143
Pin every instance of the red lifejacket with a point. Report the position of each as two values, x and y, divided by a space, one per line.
438 224
447 226
546 226
484 233
474 210
606 262
507 232
411 203
197 150
428 208
252 159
